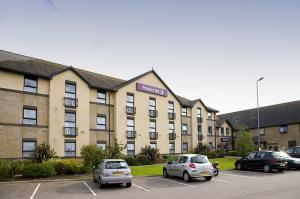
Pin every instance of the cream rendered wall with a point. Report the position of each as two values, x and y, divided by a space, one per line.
195 123
142 116
57 112
15 81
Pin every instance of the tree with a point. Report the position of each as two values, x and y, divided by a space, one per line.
92 155
43 152
244 143
152 154
201 149
115 151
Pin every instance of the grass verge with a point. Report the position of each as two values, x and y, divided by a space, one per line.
156 169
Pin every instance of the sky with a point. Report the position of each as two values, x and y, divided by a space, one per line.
213 50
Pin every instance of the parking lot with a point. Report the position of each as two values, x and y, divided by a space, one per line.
229 184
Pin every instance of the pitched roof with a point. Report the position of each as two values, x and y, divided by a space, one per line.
190 103
274 115
32 66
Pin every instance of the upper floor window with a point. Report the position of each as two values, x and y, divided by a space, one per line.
198 112
130 100
29 115
101 122
152 126
210 130
30 84
184 111
199 129
227 131
222 130
101 96
130 128
209 115
283 128
152 104
70 124
70 90
171 107
28 148
130 148
184 129
171 127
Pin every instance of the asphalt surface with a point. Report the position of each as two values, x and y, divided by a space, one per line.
229 184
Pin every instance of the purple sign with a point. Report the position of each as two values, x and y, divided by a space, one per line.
225 139
151 89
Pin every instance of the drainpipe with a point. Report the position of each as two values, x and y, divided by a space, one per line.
215 133
109 122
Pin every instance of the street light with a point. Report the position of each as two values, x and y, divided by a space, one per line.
258 111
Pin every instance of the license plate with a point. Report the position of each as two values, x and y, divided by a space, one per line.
117 173
282 165
204 173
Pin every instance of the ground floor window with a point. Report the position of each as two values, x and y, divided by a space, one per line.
292 143
185 147
210 146
130 148
70 149
171 148
101 145
153 145
273 147
28 148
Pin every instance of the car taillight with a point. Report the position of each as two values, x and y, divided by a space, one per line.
191 165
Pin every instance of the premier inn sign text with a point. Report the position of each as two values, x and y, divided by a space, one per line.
151 89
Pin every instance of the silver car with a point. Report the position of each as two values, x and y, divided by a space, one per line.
112 171
189 166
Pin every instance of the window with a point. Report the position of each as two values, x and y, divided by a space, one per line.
251 156
210 130
227 131
70 123
130 128
70 149
200 159
182 159
184 111
28 148
171 107
130 100
199 129
153 145
101 96
292 143
184 129
29 115
101 122
185 147
70 90
172 148
152 126
210 145
283 128
171 127
198 112
30 84
130 148
101 145
152 104
209 115
222 131
261 131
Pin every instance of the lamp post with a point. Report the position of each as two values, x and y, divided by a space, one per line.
258 111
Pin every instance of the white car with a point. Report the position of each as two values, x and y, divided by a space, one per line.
112 171
189 166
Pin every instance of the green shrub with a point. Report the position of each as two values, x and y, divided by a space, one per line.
211 154
115 151
43 152
142 160
42 170
152 154
5 171
71 166
168 157
201 149
16 167
131 161
92 155
220 154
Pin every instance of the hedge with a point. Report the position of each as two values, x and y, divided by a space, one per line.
39 170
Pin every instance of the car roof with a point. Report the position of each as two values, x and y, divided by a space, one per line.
111 160
191 155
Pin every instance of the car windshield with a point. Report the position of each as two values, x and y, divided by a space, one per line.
116 165
199 159
280 155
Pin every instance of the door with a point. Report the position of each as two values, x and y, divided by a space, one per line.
260 160
171 166
181 166
248 161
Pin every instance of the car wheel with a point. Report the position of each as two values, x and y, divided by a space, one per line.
165 173
267 168
186 176
208 178
100 184
128 184
239 166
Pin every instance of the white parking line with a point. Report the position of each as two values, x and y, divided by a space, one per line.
241 176
35 190
220 180
91 190
140 187
176 182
